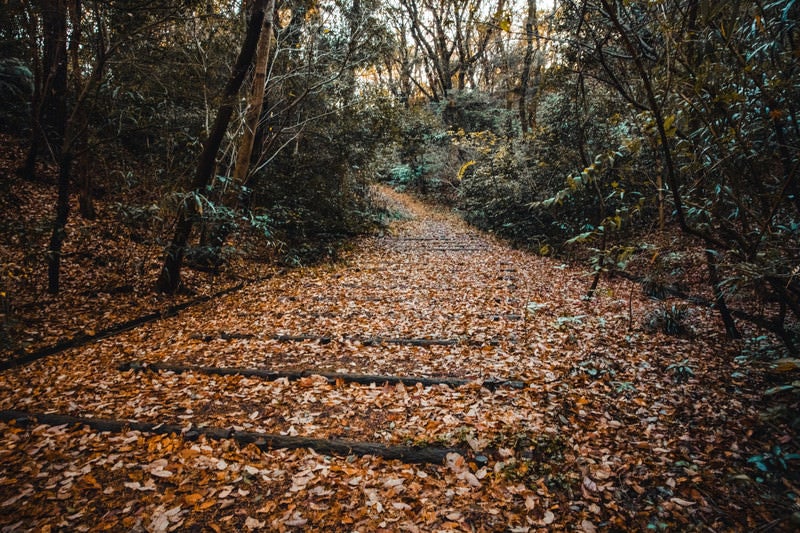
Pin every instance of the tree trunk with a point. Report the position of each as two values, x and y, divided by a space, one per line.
86 204
169 279
73 128
719 297
27 170
658 116
50 96
526 66
85 200
216 232
256 99
54 117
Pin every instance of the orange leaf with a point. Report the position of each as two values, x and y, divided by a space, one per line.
192 499
91 481
206 504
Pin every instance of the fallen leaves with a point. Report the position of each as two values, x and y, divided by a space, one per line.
600 438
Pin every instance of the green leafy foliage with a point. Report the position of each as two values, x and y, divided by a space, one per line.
474 111
681 371
16 88
777 459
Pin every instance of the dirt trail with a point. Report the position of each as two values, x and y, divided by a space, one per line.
597 437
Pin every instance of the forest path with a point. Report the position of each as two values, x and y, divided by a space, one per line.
449 301
429 298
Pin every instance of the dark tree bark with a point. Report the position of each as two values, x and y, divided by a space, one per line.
85 201
54 94
73 129
255 99
657 110
169 279
50 95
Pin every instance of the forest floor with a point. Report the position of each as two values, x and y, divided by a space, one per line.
574 415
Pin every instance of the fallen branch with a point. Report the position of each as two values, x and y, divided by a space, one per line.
265 441
417 239
84 339
366 341
331 377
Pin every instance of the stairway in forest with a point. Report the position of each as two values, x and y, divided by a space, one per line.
432 380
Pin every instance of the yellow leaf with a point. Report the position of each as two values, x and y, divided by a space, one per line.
463 169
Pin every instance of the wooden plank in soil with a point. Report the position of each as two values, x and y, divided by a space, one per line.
331 377
368 341
265 441
457 249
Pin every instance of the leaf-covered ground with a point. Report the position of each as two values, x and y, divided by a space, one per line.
618 427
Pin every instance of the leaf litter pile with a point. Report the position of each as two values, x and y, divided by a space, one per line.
547 412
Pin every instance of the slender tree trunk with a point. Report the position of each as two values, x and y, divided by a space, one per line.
85 200
719 297
169 279
214 233
256 99
27 170
526 67
50 97
81 143
53 115
75 127
54 108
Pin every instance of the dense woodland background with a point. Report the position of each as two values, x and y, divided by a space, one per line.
652 139
157 153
